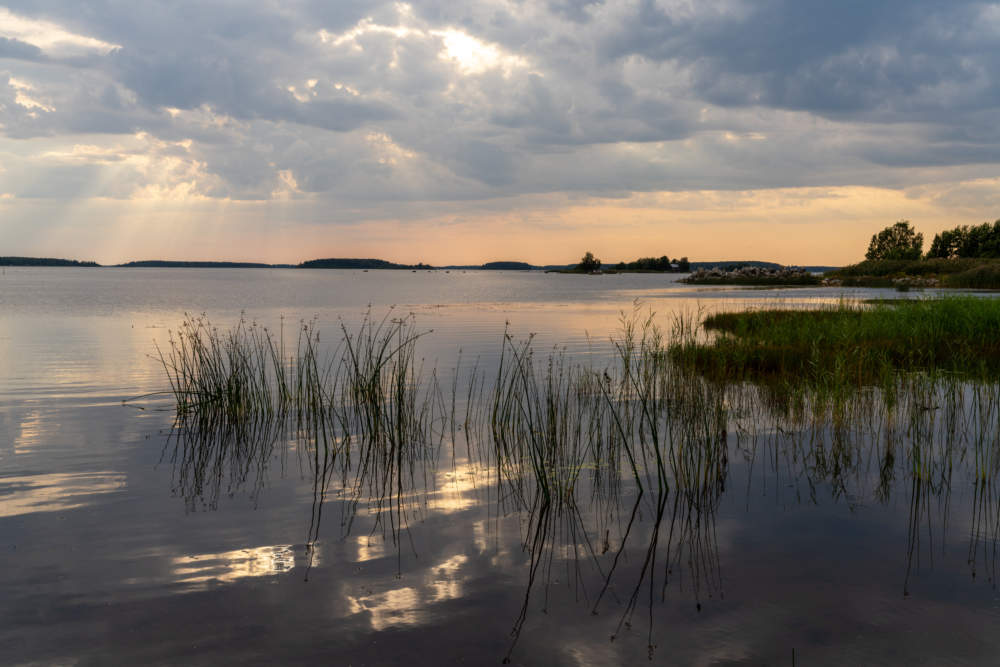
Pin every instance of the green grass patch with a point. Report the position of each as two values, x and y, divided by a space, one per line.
985 276
969 273
850 344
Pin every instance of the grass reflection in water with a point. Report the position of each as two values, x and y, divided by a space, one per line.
617 468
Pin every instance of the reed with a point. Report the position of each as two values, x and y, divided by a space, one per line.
617 467
849 344
362 411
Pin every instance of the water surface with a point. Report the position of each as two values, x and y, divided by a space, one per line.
119 549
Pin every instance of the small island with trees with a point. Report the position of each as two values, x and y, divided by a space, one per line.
176 264
589 264
967 256
964 257
348 263
43 261
780 276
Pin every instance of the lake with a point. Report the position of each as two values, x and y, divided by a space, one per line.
128 538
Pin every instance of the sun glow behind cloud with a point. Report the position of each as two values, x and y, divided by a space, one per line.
22 97
473 56
804 225
50 37
142 168
462 132
469 54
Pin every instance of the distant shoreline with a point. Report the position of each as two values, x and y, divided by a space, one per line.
350 263
43 261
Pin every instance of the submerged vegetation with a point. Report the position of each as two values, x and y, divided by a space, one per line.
616 468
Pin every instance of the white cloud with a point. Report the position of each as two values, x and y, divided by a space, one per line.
22 96
469 54
50 37
390 109
474 56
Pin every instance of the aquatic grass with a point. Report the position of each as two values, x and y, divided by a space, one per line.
640 419
362 409
216 458
850 344
590 455
240 371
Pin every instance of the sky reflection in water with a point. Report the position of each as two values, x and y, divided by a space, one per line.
846 546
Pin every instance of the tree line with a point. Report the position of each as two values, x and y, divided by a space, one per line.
902 241
590 264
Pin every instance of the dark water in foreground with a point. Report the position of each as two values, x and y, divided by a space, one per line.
852 547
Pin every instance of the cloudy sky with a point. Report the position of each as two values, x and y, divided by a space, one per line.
443 131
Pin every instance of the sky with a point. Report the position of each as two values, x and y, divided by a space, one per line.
465 132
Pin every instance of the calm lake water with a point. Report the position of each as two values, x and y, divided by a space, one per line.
120 548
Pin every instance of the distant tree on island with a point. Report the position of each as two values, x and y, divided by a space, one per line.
42 261
589 263
173 264
661 264
350 263
899 241
966 257
507 266
976 242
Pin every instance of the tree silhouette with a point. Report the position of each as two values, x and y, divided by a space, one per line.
899 241
589 263
977 241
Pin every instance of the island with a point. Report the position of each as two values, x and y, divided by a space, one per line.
966 257
507 266
171 264
753 275
43 261
349 263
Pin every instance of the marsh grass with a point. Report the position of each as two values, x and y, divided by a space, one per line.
617 468
570 436
850 344
240 372
986 276
363 414
654 425
969 273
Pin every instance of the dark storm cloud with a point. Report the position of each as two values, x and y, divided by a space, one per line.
573 10
834 58
367 100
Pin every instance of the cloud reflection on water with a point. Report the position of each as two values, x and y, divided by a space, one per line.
55 492
232 566
411 605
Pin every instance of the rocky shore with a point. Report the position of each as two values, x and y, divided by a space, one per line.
752 275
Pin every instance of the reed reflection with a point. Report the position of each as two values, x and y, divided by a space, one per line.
618 469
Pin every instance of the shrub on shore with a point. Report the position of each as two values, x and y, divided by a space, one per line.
984 276
979 273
